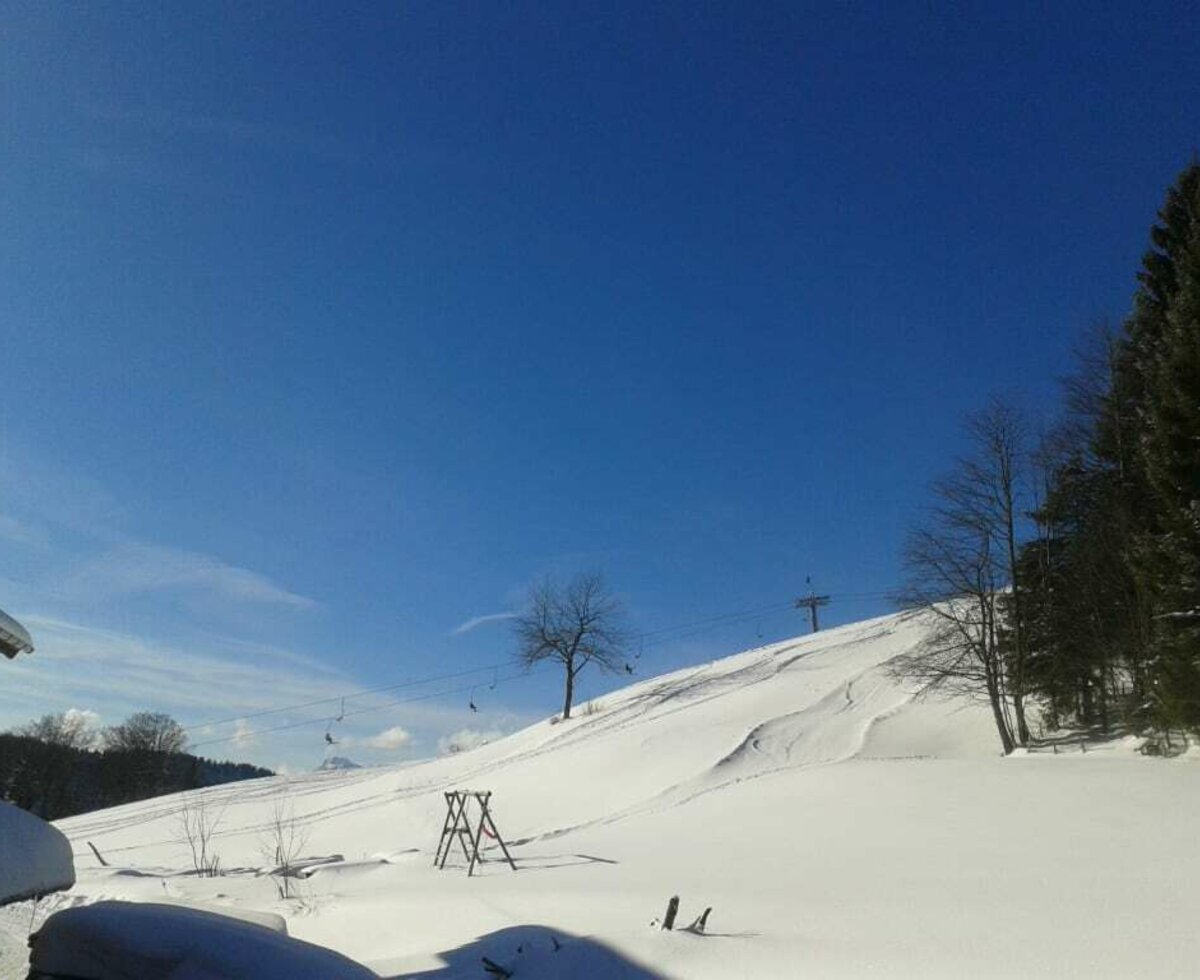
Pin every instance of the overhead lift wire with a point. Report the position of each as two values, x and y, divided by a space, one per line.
757 611
416 682
242 736
650 638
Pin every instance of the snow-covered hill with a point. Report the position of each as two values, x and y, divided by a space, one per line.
837 827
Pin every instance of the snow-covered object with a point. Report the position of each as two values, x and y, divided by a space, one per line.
14 638
268 920
337 762
121 940
35 858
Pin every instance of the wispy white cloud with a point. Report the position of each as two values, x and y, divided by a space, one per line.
233 646
389 740
74 553
477 621
117 674
133 568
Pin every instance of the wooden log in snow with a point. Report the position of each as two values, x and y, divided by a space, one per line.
701 922
672 911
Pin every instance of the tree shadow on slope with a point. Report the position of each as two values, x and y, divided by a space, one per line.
534 953
1080 738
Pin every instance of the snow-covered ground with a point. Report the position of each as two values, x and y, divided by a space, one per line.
837 827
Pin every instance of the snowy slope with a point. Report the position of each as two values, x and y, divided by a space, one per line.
837 827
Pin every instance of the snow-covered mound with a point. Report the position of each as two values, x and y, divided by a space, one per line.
173 942
35 857
837 827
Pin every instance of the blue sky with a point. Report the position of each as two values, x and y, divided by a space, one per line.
326 331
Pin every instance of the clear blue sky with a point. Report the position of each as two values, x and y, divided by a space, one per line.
328 328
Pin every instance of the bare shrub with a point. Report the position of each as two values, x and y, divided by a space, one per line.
282 844
198 824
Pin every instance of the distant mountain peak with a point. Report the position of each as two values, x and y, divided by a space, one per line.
338 762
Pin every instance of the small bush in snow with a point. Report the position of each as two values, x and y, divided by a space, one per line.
198 824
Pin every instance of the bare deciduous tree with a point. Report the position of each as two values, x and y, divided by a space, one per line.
146 731
574 624
962 566
71 729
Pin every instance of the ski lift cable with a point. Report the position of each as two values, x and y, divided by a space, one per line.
343 698
758 610
698 627
418 681
683 633
647 638
358 711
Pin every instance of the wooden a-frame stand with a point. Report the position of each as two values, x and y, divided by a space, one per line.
457 826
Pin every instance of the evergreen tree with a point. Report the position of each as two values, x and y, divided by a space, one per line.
1115 620
1171 455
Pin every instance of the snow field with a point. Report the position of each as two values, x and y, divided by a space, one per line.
837 827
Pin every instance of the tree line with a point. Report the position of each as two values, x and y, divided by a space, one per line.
57 766
1062 569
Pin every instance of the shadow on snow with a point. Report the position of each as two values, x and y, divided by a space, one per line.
535 952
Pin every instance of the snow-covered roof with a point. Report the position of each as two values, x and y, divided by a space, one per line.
14 638
35 858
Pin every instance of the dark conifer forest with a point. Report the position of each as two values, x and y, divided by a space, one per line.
1066 564
52 769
